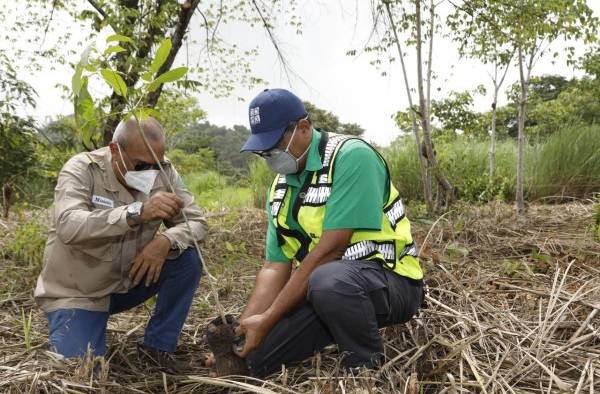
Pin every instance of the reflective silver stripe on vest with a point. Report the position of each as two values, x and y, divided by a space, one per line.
317 195
279 194
409 250
330 147
395 213
275 206
365 249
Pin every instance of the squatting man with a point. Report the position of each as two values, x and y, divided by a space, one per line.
334 213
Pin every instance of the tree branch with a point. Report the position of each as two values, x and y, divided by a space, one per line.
102 13
266 25
122 62
185 15
48 24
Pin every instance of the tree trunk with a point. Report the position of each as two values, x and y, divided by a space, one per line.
185 15
521 137
492 152
7 199
497 86
118 105
427 193
448 189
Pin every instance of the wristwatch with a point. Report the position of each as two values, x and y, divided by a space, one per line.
134 212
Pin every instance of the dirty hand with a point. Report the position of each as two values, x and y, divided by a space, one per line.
150 261
255 328
161 205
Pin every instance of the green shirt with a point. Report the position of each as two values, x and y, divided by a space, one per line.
358 193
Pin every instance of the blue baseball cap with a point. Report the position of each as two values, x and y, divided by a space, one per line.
269 114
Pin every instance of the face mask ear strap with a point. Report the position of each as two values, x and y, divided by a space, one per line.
287 148
122 161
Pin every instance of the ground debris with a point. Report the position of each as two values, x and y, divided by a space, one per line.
512 306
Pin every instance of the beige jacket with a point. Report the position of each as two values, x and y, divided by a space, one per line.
90 246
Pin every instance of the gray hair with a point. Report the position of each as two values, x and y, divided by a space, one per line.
126 128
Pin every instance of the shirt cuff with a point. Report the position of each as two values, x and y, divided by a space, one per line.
172 240
175 249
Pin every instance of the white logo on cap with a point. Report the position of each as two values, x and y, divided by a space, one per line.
254 115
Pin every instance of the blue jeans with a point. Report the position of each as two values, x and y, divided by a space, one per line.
72 331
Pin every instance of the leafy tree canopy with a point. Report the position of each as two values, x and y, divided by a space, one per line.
330 122
140 27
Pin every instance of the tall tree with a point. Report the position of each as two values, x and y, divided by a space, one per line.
476 35
529 27
392 18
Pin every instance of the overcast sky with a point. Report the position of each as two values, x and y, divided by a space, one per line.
347 86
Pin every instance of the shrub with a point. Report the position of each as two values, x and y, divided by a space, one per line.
28 242
204 181
23 250
465 162
403 163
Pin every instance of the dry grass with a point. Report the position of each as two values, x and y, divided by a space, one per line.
512 307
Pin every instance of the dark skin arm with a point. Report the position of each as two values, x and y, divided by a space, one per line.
270 280
331 247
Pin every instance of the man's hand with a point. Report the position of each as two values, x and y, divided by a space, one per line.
255 328
161 205
150 261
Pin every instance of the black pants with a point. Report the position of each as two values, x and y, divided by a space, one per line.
347 302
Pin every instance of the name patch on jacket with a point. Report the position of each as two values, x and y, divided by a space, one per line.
103 201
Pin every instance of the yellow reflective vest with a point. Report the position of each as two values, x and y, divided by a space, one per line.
392 245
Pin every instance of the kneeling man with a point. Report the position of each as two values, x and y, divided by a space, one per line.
105 253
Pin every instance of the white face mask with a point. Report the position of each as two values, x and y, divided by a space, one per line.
138 180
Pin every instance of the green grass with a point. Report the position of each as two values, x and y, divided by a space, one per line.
216 192
463 161
261 178
26 322
228 197
27 243
565 164
23 245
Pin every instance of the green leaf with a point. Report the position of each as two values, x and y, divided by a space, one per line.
115 81
81 100
144 113
169 76
85 114
76 79
119 38
161 55
113 49
147 76
85 55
